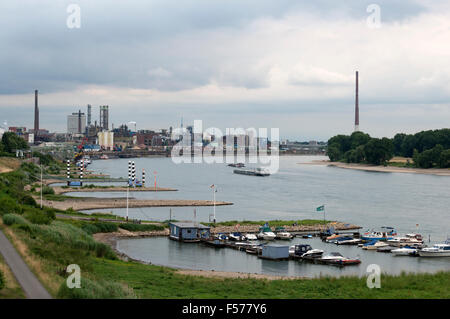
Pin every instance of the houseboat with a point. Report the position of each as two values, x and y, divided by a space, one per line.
188 232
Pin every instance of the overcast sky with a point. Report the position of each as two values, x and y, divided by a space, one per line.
231 63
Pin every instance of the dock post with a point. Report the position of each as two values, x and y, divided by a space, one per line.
68 172
143 178
81 172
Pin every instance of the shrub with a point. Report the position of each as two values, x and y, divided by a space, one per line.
2 280
37 216
141 227
11 219
46 190
99 227
91 289
9 206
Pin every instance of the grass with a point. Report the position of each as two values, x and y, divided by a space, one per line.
10 289
150 281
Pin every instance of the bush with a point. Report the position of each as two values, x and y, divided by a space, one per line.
91 289
38 216
11 219
2 280
9 206
46 190
99 227
141 227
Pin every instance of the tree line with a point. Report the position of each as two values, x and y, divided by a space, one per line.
427 148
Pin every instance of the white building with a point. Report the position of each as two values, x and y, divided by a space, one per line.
76 123
106 139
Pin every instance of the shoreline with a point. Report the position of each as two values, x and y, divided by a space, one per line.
60 190
90 203
382 169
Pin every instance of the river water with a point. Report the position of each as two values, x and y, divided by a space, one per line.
368 199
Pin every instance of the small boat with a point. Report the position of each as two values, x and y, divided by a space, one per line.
307 236
281 233
305 251
251 237
438 250
336 258
407 240
266 233
253 172
385 249
404 251
351 241
221 236
236 236
334 237
253 250
385 234
374 245
104 157
213 242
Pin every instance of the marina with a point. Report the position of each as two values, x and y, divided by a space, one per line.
157 249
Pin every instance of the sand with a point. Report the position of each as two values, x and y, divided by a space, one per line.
384 169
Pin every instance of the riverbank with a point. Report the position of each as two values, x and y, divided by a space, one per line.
383 169
89 203
63 190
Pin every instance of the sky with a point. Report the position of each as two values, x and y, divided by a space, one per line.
286 64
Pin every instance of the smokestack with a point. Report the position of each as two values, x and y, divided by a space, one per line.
89 114
36 113
356 106
79 121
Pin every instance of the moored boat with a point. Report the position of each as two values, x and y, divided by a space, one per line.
385 234
404 251
281 233
438 250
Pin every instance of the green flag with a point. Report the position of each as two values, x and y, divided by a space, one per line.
320 208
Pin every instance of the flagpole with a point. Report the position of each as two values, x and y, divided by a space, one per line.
214 198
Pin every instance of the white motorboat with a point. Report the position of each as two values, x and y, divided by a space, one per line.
251 237
313 253
407 240
438 250
236 236
266 235
404 251
284 236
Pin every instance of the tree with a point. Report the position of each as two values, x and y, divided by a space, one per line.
378 151
398 141
11 142
334 152
358 139
444 161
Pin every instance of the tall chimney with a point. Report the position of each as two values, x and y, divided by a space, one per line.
79 121
356 106
36 113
